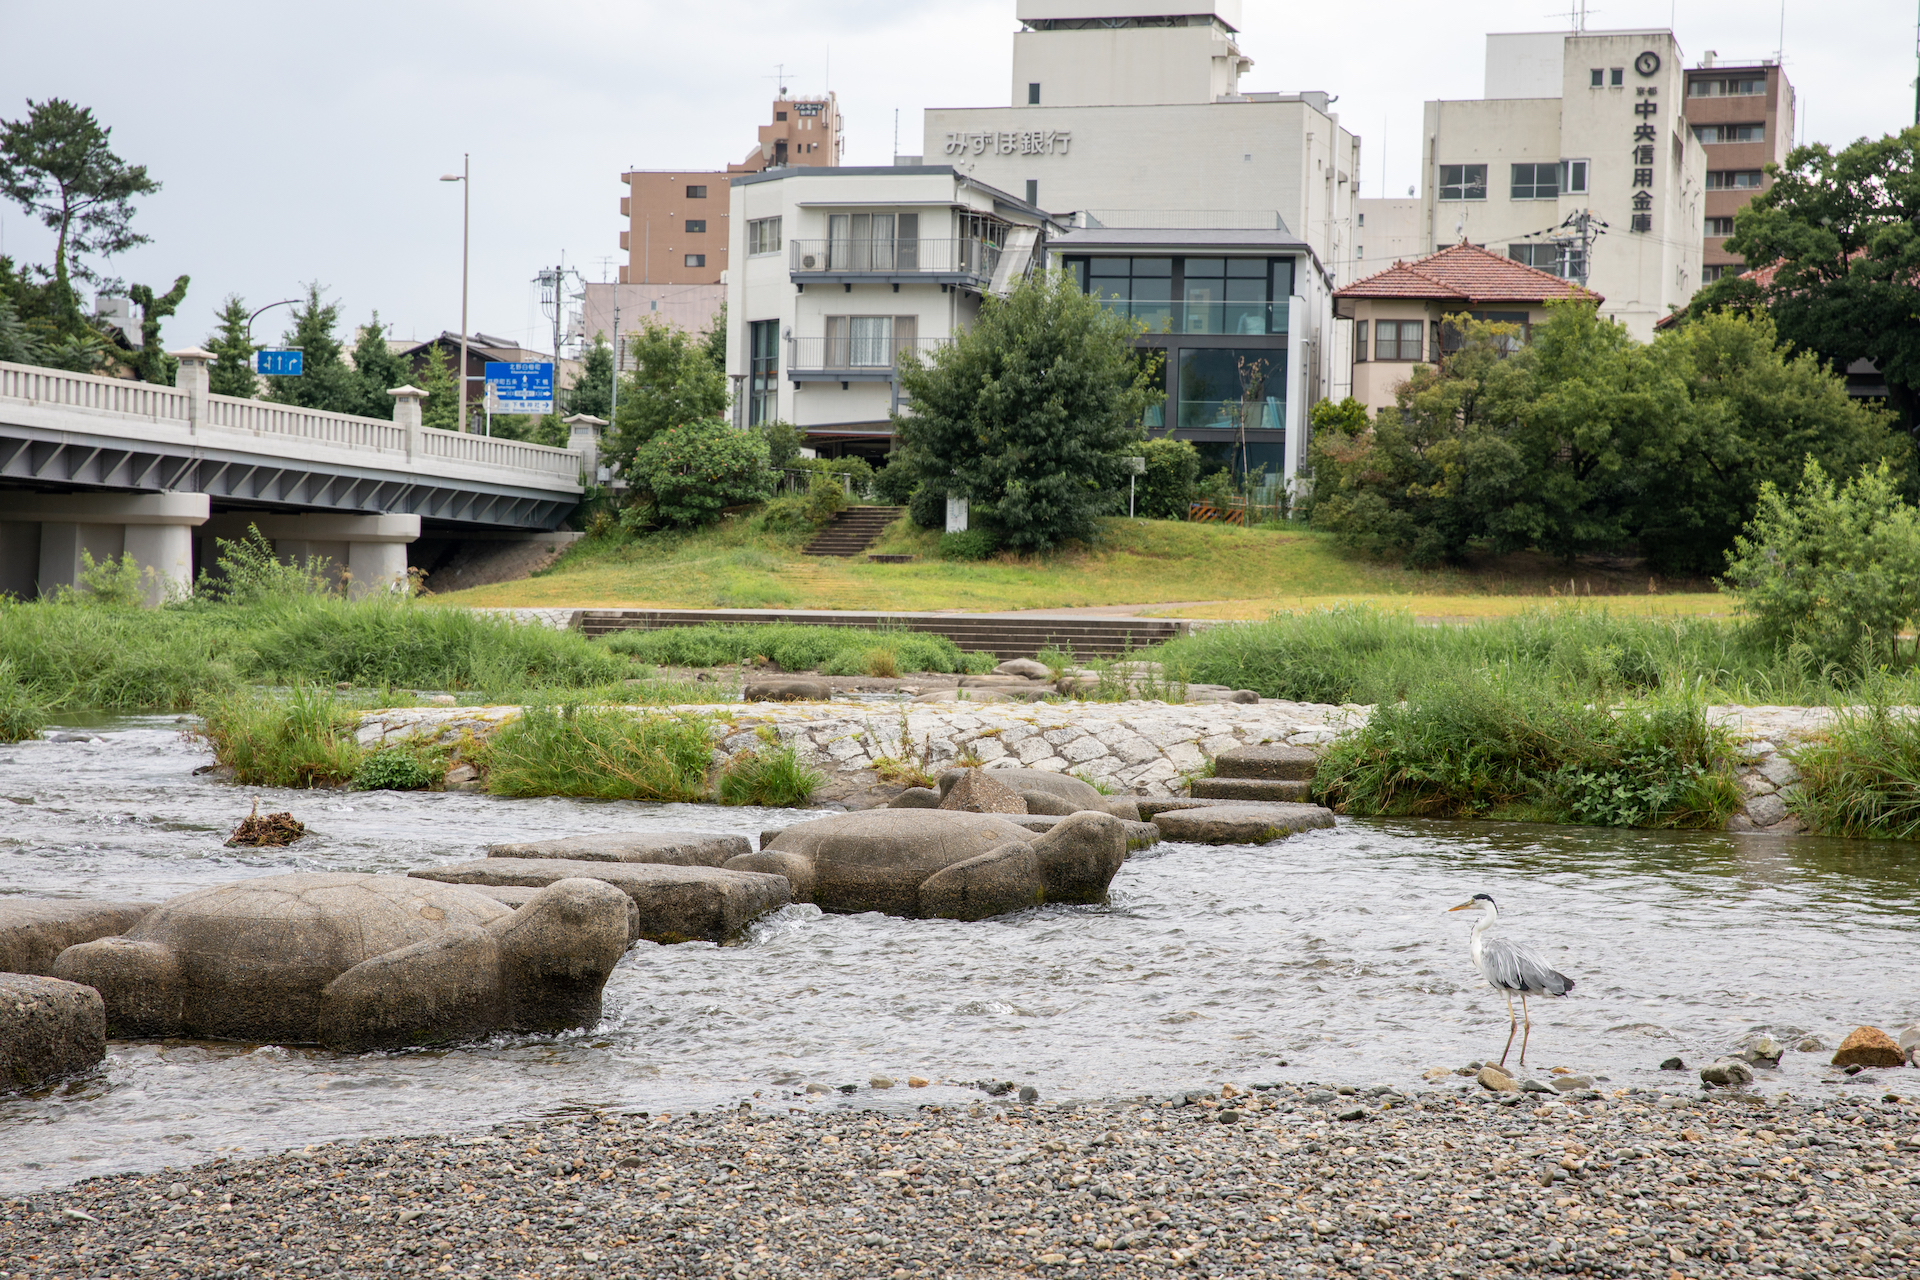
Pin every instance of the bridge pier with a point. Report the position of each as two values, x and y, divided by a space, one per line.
43 537
371 550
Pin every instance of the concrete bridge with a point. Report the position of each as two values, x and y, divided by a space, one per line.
106 466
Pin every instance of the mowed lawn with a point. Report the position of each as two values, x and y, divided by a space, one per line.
1189 570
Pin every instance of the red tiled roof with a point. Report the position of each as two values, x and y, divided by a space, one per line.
1465 273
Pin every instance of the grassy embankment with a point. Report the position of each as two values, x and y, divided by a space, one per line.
1199 570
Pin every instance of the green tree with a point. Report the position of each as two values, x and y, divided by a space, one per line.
592 391
377 369
232 372
1842 232
435 377
325 381
715 339
57 165
18 343
671 382
688 473
1167 488
1029 413
1758 411
151 363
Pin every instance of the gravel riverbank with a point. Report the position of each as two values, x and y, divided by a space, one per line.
1301 1181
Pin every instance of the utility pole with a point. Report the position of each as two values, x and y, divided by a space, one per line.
464 178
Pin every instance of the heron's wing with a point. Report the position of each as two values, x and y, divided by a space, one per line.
1516 967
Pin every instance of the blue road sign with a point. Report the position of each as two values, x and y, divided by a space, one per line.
517 387
277 364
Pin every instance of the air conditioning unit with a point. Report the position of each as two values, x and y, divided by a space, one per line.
812 261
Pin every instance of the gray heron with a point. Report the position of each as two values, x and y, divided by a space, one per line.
1510 967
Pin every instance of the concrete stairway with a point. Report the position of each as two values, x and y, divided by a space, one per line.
852 531
1003 635
1260 773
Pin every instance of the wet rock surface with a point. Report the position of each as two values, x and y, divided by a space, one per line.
48 1029
34 931
676 904
1433 1184
674 848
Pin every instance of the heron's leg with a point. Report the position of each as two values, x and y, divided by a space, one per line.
1528 1021
1512 1025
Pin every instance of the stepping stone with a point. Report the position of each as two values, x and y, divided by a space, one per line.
1149 806
677 904
1273 760
48 1029
33 931
1140 835
517 898
1240 823
1283 790
675 848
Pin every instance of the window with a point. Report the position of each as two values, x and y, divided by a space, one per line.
868 342
779 115
1709 274
1033 193
696 259
1563 260
1734 87
1450 337
1246 296
696 226
1463 182
763 371
1719 226
1033 95
1359 341
1213 384
1363 220
1734 179
1617 76
1712 133
1398 339
696 193
763 235
873 242
1599 77
1536 181
1573 177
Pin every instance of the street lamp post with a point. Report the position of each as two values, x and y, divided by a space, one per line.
466 193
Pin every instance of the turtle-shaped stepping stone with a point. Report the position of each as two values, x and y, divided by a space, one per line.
356 962
940 863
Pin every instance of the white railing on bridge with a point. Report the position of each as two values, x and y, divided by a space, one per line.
264 419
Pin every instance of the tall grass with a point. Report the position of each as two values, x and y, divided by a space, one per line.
1862 777
302 738
840 651
601 753
22 713
774 776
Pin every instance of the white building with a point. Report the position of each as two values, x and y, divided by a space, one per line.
1167 189
1578 160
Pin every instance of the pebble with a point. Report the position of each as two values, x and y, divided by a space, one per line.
1459 1183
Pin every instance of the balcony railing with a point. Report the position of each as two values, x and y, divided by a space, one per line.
1244 319
856 357
971 259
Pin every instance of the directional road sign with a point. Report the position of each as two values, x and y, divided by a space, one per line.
516 387
277 364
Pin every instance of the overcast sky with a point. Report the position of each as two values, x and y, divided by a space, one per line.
301 142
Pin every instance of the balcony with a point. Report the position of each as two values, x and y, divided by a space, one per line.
1225 319
853 359
892 261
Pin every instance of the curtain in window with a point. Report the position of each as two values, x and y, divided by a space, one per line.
872 340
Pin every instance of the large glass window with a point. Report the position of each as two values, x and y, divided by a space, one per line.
1536 181
1463 182
763 235
763 369
1244 296
1218 385
873 241
1398 339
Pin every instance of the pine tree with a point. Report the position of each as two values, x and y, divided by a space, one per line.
151 363
18 344
592 391
435 377
377 370
325 381
232 373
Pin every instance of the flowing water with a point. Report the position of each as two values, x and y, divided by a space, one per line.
1329 951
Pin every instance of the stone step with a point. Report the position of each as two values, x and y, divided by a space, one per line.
1280 790
1252 823
1274 760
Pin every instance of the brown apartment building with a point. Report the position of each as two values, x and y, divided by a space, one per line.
1743 115
677 220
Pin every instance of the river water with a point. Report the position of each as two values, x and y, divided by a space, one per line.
1329 952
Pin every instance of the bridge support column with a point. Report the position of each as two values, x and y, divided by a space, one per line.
371 550
45 538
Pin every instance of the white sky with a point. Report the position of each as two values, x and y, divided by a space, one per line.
303 143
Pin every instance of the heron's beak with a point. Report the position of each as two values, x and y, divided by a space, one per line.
1465 906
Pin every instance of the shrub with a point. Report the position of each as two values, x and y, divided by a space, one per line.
303 738
1168 486
690 473
1833 570
894 483
976 543
773 776
825 499
23 714
783 443
1862 779
112 584
394 769
927 507
788 513
248 572
605 754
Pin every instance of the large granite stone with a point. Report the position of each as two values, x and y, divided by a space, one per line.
1275 760
48 1029
34 931
518 896
1240 823
935 863
264 960
1052 793
1869 1047
673 848
676 904
976 791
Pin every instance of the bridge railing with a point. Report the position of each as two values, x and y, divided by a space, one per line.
86 391
196 410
